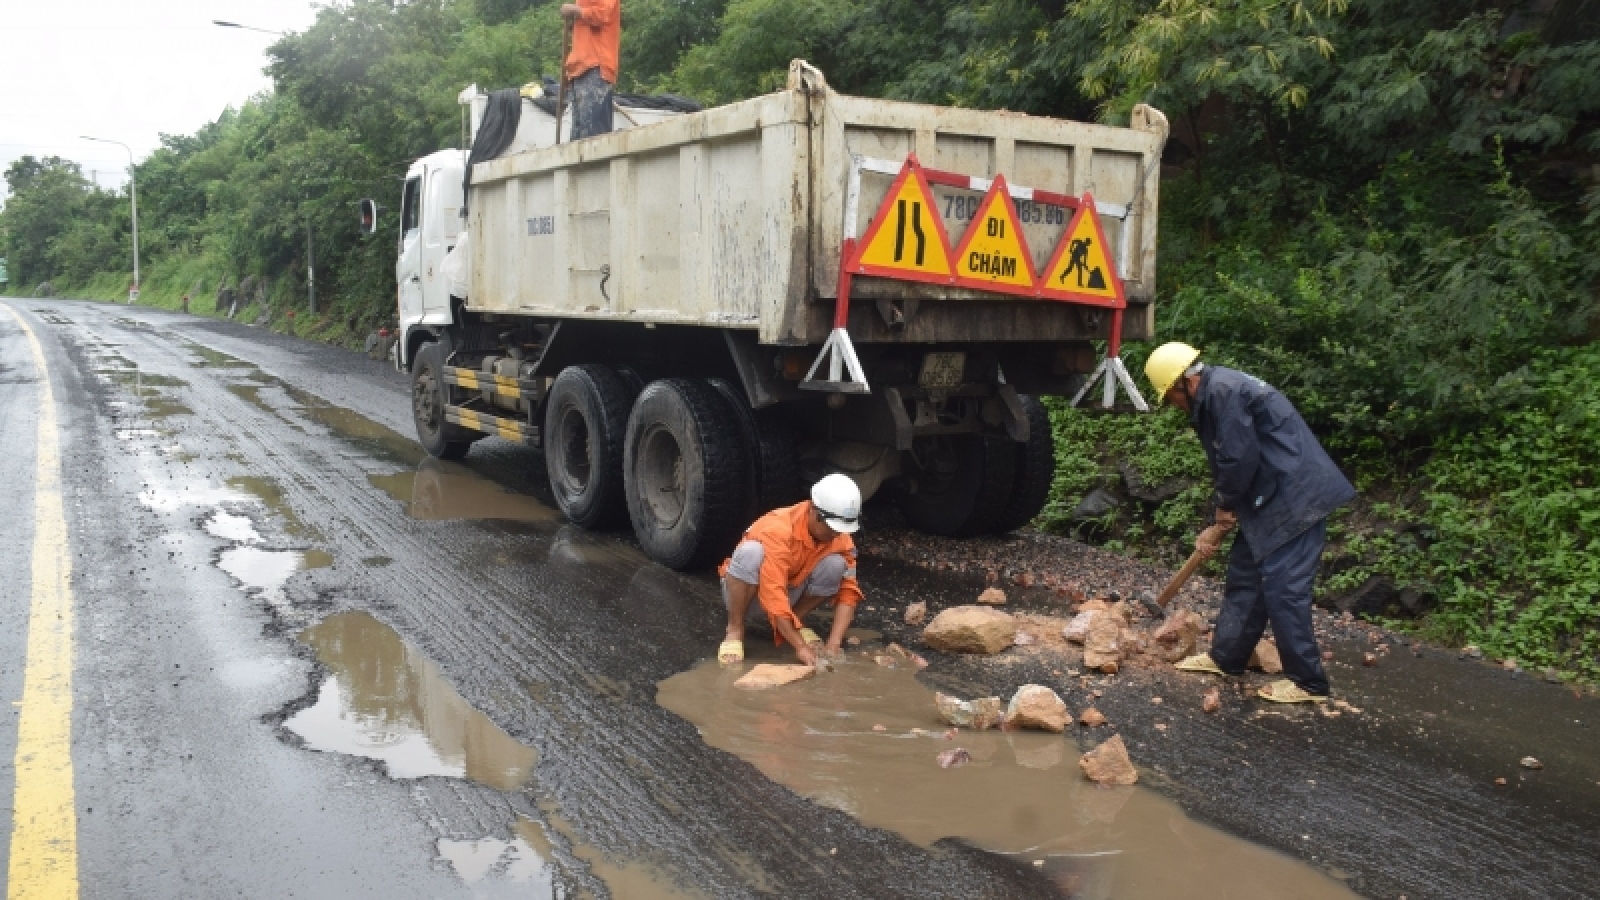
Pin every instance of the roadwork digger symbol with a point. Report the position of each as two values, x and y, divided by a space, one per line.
1078 261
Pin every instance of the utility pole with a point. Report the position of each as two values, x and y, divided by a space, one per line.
133 182
311 269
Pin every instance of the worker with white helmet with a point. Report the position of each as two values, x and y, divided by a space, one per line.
1276 484
793 560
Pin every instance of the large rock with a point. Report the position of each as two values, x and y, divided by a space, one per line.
1077 631
1178 635
992 597
1095 504
1036 706
1265 657
1109 764
767 675
984 712
970 629
1161 492
1102 649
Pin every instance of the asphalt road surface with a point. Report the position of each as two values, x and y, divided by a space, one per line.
257 646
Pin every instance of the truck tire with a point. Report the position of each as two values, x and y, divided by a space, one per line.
429 396
770 446
960 484
1035 469
687 473
585 421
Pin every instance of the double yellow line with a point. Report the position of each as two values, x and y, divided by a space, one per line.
44 818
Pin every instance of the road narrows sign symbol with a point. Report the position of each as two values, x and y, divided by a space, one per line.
906 238
1081 269
994 253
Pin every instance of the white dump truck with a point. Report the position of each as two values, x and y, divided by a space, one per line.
697 315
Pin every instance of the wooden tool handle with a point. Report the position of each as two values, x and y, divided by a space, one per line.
1179 580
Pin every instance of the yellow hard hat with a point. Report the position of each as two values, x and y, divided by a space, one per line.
1167 364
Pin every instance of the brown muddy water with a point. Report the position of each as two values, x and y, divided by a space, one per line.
386 701
439 491
1022 796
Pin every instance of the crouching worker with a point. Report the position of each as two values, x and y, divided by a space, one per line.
793 560
1276 484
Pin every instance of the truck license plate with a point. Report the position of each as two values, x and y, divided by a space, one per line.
942 370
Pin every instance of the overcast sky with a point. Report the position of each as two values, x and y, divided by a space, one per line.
128 70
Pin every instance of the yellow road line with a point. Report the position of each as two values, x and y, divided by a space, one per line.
44 823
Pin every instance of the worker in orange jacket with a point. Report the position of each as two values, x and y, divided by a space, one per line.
793 560
592 63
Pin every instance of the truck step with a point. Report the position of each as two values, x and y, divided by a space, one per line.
510 429
502 385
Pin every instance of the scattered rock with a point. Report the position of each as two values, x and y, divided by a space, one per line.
1369 659
1036 706
1092 718
895 649
917 613
1529 762
1025 580
853 641
984 712
1156 700
1327 655
1212 700
879 728
1023 639
1178 635
992 597
1109 763
1095 504
767 675
1499 782
1509 665
884 660
1102 649
956 757
1265 658
1077 631
970 629
1131 642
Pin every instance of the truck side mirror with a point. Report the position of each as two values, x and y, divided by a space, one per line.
369 216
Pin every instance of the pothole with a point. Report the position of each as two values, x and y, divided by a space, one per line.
438 491
1021 796
384 700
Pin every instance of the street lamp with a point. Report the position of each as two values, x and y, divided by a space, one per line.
245 27
133 181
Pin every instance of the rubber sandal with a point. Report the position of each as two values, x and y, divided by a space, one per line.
1286 691
809 636
1200 662
730 652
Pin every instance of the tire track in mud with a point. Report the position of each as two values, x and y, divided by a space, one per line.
636 782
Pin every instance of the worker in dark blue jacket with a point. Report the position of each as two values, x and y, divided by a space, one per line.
1278 486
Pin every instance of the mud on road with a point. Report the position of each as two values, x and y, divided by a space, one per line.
442 689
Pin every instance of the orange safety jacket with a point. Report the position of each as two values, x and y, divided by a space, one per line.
596 38
791 554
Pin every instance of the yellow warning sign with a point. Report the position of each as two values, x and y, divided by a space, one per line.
1081 268
906 238
994 253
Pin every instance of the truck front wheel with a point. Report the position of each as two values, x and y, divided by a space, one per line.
429 394
958 485
586 417
687 473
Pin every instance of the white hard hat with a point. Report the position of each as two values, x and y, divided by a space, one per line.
839 501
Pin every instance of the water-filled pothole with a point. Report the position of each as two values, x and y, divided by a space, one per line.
267 571
386 701
437 491
1022 796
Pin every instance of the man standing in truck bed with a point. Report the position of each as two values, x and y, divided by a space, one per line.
793 560
591 67
1276 483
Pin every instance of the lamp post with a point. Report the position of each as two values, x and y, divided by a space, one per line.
245 27
133 182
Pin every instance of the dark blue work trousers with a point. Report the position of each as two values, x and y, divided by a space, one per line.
1276 590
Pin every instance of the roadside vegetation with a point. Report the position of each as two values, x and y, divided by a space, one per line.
1390 210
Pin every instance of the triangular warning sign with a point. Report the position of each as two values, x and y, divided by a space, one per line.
994 254
1081 269
906 238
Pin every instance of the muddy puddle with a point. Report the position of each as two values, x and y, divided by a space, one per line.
1022 796
384 700
439 491
270 493
493 860
217 359
266 571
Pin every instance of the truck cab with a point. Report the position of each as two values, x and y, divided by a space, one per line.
430 226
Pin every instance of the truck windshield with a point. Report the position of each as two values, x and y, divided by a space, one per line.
411 207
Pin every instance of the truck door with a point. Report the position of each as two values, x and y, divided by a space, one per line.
441 223
408 269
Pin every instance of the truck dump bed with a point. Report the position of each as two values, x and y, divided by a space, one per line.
736 217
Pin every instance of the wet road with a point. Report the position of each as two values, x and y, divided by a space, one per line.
306 662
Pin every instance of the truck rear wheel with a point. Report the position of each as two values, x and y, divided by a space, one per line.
959 484
585 421
1036 469
770 447
687 473
429 395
